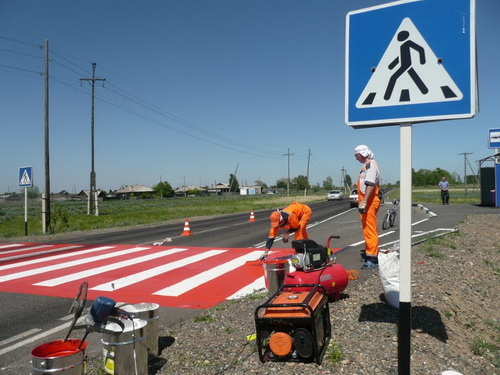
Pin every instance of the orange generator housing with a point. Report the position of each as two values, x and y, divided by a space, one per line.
294 324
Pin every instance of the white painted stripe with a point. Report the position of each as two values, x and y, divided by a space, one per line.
257 285
8 246
19 336
24 249
201 278
144 275
419 222
106 268
54 257
59 266
28 248
35 338
42 252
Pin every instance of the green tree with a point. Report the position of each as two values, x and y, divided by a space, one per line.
348 180
260 183
300 182
328 183
427 177
281 183
163 189
33 192
233 183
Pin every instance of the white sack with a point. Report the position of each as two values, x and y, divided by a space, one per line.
388 263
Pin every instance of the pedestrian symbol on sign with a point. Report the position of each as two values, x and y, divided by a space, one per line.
408 73
25 179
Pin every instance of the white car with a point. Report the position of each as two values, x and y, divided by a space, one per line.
335 195
353 198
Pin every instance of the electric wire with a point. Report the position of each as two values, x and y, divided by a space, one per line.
184 127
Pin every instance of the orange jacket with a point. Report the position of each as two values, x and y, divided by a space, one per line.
298 217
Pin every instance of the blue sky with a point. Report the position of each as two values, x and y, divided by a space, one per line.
198 89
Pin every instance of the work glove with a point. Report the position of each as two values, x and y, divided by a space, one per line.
362 208
285 237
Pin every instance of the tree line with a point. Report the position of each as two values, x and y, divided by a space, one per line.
422 177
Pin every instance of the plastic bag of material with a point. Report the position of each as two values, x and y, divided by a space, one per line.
388 264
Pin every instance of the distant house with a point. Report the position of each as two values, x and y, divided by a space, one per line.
133 191
184 191
85 193
250 190
219 189
62 195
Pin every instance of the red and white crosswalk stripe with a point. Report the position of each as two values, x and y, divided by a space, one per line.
191 277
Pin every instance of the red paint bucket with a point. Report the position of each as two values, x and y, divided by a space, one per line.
59 356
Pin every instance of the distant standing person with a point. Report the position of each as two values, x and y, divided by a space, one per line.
368 185
444 185
294 218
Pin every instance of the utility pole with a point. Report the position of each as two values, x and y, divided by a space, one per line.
347 188
342 183
92 170
465 168
307 174
288 179
46 195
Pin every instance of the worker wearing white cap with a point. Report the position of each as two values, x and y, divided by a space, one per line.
368 185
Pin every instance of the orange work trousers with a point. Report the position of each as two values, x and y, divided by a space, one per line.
370 229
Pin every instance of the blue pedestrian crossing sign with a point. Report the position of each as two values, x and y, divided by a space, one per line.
25 177
411 61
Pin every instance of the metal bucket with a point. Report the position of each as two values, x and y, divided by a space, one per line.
124 349
149 313
274 274
59 356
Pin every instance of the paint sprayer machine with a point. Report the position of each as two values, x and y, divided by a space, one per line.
294 323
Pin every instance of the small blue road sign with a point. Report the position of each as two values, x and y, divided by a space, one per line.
494 138
25 177
411 61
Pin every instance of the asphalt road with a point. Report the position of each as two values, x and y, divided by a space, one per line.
29 320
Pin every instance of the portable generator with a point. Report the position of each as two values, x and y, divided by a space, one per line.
314 265
294 325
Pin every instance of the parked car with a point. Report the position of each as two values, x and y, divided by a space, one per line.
353 198
335 195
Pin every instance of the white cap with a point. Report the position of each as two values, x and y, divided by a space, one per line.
363 150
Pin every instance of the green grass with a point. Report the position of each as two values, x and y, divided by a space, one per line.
68 216
334 353
433 195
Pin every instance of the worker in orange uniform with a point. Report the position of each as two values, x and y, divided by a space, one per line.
368 185
293 218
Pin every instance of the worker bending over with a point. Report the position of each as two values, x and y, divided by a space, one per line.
293 218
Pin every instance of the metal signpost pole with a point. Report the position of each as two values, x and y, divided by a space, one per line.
404 328
25 211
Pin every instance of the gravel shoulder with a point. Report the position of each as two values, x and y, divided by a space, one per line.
455 320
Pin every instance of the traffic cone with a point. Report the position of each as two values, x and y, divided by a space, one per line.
187 231
252 217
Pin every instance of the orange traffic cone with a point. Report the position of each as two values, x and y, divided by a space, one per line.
252 217
187 231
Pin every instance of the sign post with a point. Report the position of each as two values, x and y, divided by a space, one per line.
408 62
25 181
494 142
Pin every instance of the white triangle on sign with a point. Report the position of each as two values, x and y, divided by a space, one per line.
25 179
408 73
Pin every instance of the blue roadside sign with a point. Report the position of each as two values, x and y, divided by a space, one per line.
411 61
494 138
25 177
